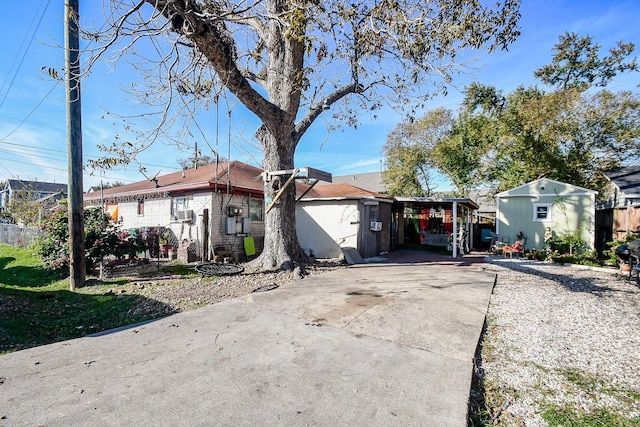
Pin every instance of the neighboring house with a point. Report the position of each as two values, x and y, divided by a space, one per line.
534 206
44 193
370 181
619 214
330 217
210 209
486 212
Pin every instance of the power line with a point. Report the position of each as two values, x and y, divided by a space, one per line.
31 112
24 54
86 156
62 170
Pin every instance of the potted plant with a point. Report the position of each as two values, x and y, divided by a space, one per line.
165 245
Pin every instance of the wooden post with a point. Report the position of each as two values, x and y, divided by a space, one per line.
205 235
77 268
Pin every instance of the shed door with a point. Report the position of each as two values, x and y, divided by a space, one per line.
372 242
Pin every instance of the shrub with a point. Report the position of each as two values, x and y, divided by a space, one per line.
102 238
611 252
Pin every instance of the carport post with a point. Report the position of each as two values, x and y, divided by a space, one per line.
455 229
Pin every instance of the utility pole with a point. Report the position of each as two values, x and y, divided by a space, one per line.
77 263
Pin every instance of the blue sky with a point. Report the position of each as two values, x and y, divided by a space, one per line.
32 106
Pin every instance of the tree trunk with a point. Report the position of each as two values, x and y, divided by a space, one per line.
281 247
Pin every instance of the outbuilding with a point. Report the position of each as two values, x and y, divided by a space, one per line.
524 212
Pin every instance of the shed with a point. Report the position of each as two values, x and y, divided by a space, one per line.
532 207
331 217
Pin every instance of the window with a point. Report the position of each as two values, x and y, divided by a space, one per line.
140 207
256 209
542 211
181 207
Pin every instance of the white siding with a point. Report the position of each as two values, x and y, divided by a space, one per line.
570 207
324 227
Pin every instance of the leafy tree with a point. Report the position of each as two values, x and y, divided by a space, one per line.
408 166
195 162
459 156
569 134
287 62
577 64
25 210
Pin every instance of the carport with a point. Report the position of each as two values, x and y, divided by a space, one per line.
432 221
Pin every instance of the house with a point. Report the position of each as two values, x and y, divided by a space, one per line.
331 217
43 193
204 211
619 214
370 181
532 207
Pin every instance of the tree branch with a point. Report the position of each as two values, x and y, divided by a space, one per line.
188 19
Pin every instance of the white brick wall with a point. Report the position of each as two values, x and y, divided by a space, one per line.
157 212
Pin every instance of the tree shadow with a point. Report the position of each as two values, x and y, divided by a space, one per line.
4 261
34 317
572 284
26 276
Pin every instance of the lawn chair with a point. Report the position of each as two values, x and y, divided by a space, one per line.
517 248
498 242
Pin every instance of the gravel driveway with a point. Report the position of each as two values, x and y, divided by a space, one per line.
561 341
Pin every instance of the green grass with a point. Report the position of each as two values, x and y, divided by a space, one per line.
568 416
37 307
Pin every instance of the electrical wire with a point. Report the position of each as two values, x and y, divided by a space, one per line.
30 113
85 174
53 150
24 54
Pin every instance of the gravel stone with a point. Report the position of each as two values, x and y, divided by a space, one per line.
560 335
170 296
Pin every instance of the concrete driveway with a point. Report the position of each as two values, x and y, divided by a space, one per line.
379 344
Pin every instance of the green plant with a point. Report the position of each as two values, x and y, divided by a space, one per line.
539 254
611 254
570 240
564 416
586 258
608 416
102 238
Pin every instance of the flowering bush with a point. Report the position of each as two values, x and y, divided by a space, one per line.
102 238
540 254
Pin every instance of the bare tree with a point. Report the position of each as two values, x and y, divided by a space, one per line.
289 61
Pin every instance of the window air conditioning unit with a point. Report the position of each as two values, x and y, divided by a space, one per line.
185 215
376 226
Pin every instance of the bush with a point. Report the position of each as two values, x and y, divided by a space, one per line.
611 252
102 238
586 258
539 254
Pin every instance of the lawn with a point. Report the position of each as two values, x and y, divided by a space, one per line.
37 307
